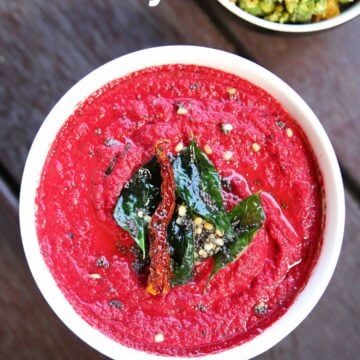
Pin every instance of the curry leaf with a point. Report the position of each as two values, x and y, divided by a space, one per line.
198 184
140 196
181 240
246 218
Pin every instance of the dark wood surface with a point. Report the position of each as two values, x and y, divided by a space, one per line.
46 46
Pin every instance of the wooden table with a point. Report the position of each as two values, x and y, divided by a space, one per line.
46 46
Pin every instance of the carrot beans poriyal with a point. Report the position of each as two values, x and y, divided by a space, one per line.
180 210
294 11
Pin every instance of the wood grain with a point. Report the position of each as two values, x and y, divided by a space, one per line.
322 67
46 46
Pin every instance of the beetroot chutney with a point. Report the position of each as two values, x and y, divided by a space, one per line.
255 145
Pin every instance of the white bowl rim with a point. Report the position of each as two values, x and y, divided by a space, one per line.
342 18
184 54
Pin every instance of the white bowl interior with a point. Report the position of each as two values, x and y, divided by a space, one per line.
345 16
334 195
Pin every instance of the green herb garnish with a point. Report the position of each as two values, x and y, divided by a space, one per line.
181 240
198 184
246 218
138 200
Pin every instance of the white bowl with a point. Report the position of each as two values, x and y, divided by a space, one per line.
334 194
342 18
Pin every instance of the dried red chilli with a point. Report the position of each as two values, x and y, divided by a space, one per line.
160 270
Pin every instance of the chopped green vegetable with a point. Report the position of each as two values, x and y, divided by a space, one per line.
246 218
279 15
252 6
293 11
138 200
291 5
303 12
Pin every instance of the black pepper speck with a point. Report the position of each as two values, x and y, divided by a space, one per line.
116 304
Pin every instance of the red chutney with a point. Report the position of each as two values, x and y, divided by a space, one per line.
110 136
